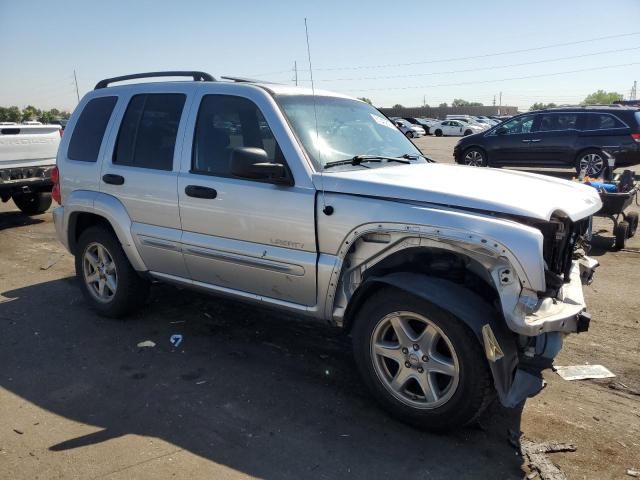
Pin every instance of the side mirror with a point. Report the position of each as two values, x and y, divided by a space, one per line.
501 131
253 163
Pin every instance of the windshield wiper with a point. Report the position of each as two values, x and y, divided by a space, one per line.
413 156
358 159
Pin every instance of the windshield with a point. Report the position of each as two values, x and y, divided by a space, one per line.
346 128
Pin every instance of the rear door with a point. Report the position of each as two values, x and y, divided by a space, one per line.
509 143
554 139
243 236
141 170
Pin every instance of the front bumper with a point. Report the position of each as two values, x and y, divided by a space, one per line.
566 313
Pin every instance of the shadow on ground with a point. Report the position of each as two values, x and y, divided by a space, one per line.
265 394
17 219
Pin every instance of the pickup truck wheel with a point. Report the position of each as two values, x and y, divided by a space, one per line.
33 203
107 280
420 362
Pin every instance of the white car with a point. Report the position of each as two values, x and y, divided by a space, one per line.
455 128
409 129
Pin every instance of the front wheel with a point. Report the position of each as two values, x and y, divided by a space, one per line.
474 157
467 133
420 362
438 133
33 203
409 134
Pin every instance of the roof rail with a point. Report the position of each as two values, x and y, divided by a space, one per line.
197 76
245 80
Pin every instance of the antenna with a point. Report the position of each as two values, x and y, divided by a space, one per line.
328 210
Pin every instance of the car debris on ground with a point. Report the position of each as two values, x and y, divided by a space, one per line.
583 372
534 455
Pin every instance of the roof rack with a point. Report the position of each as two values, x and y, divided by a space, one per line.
245 80
197 77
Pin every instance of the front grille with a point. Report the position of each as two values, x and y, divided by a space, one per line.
560 239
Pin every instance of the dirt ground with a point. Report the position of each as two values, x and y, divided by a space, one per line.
251 393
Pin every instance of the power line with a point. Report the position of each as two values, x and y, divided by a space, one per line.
509 52
495 67
496 80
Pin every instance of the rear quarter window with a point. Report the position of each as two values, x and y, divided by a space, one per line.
89 130
602 121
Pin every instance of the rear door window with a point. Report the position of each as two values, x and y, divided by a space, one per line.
147 136
558 121
602 121
89 130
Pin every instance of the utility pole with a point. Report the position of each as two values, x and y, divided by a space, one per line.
634 90
295 72
494 100
75 78
424 101
500 105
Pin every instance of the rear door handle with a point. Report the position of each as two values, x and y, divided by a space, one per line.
526 141
113 179
198 191
535 140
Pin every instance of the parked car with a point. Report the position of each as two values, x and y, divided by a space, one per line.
409 129
574 137
27 157
425 123
456 284
455 128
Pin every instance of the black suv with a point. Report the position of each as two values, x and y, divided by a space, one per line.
558 137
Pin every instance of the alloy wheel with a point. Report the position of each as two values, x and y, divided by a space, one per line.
100 273
474 158
592 164
414 360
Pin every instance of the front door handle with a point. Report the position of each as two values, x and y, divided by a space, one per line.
526 141
113 179
535 140
198 191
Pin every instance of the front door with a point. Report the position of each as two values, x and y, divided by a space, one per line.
509 144
140 171
244 236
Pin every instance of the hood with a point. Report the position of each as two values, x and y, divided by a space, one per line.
503 191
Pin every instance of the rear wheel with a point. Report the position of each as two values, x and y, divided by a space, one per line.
632 220
409 134
467 132
591 161
475 157
107 280
420 362
621 234
33 203
438 133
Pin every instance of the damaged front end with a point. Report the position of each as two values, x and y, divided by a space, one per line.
543 318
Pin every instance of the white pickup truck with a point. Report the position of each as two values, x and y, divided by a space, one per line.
27 157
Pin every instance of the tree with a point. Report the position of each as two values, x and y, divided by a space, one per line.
459 102
366 100
397 106
541 106
443 105
30 113
14 114
601 97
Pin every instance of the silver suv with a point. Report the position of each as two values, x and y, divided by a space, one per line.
456 284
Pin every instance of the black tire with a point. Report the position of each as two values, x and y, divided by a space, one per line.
474 157
467 133
132 290
474 390
620 233
409 134
438 133
632 220
33 203
591 152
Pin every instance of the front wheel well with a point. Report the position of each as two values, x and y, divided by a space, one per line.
79 222
432 262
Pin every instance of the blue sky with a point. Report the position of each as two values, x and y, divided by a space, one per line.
353 45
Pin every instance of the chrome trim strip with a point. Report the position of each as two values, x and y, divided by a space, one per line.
155 242
244 260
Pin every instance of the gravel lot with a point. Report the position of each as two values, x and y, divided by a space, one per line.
250 393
